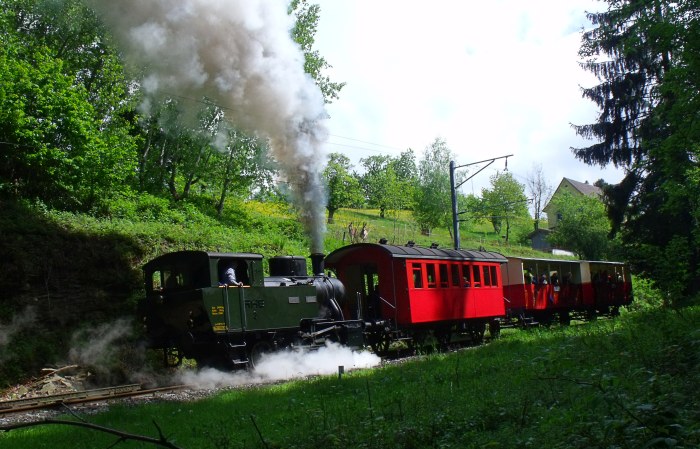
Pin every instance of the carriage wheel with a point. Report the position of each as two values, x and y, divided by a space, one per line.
564 318
494 329
443 337
477 333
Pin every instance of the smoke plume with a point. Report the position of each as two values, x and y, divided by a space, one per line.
238 53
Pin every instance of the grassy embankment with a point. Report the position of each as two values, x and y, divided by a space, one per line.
61 272
624 383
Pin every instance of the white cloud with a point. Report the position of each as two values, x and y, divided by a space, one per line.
491 78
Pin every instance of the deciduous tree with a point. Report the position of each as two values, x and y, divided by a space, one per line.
432 204
583 227
343 188
505 202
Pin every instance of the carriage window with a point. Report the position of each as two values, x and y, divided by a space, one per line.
494 276
430 269
487 276
467 275
444 282
477 277
417 276
455 275
173 279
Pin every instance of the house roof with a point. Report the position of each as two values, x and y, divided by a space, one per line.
585 188
582 187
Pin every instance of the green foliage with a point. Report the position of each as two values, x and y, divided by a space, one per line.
645 55
58 145
307 17
505 202
343 189
646 295
388 182
583 227
432 197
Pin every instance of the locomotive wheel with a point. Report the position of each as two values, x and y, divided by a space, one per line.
259 349
172 357
380 344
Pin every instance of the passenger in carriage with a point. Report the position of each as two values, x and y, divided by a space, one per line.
555 279
528 277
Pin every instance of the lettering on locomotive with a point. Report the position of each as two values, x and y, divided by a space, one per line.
255 303
217 310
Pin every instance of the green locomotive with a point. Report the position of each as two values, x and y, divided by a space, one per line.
192 310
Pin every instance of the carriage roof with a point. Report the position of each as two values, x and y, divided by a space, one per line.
416 252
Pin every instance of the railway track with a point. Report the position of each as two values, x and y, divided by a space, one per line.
80 397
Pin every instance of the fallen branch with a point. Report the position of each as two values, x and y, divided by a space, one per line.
123 436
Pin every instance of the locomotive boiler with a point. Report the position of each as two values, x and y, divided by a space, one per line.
192 311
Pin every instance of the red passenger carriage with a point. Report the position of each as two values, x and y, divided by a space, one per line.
542 289
413 292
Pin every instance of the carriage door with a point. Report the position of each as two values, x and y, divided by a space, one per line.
356 289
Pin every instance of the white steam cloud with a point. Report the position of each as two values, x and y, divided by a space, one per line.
238 53
283 366
97 346
19 321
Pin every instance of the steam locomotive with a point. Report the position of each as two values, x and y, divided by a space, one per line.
381 294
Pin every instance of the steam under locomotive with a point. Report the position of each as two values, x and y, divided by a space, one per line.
382 294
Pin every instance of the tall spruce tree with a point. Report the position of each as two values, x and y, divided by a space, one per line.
644 53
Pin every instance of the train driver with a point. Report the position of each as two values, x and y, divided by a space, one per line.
229 275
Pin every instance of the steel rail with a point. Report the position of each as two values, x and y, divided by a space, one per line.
80 397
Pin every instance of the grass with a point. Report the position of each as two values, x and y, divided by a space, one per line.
624 383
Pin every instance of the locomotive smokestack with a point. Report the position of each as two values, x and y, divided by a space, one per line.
317 263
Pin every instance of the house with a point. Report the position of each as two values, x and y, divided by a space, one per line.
574 187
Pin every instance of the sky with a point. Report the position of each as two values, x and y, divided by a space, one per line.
490 78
